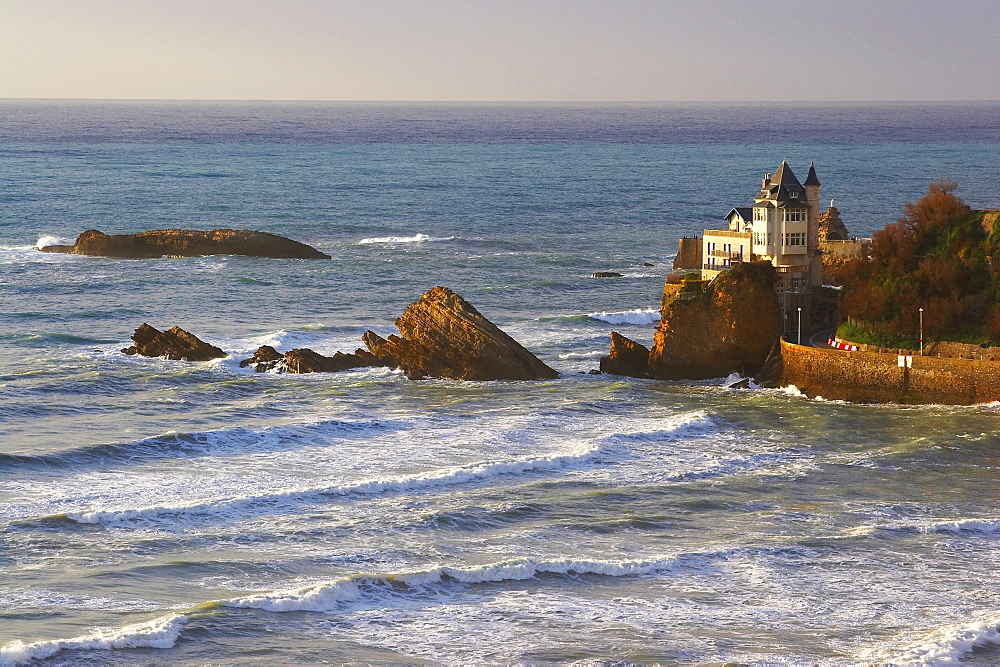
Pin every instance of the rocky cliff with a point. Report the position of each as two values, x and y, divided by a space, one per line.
443 336
187 243
730 325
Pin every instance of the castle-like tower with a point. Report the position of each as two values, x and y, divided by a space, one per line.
781 226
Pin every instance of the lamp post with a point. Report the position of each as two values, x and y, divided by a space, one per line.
800 325
921 332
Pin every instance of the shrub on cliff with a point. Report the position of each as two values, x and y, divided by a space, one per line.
938 256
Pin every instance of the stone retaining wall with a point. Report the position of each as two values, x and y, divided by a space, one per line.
873 377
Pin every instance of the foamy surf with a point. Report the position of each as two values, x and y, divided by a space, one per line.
946 645
415 483
47 240
332 595
159 633
636 316
416 238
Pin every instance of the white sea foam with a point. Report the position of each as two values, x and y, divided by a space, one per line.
944 645
416 238
989 527
158 633
437 479
638 316
330 595
47 240
583 355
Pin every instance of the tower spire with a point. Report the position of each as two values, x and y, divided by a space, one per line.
812 179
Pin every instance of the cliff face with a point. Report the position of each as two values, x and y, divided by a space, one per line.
187 243
442 335
729 325
688 254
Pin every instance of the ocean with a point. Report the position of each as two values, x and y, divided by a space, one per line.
165 511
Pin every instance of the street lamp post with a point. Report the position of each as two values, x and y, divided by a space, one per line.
921 332
800 325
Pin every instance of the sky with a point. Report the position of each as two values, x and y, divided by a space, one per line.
492 50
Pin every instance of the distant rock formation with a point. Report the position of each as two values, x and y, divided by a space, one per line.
187 243
443 336
729 325
175 344
627 357
304 360
831 227
607 274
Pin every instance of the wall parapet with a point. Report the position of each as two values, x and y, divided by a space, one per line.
877 377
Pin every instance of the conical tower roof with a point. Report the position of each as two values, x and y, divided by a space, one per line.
812 179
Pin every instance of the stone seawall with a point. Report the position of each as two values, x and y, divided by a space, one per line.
873 377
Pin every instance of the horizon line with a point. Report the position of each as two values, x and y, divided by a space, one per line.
486 101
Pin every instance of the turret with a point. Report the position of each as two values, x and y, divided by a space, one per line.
812 195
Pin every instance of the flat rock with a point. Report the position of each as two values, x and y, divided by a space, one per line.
187 243
174 343
443 336
607 274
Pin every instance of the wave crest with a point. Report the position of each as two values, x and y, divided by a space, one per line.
637 316
158 633
416 238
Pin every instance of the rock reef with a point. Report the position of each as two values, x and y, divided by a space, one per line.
187 243
174 343
303 360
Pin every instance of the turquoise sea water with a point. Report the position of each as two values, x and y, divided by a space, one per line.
162 511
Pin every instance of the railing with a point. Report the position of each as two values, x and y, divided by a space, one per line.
726 254
727 234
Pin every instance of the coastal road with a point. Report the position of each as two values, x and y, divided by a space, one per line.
814 337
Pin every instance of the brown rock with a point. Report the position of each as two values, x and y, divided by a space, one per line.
175 344
443 336
607 274
710 331
831 227
303 360
187 243
627 357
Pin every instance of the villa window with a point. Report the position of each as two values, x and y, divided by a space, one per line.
760 215
795 215
795 238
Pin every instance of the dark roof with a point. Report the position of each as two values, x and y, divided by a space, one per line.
812 179
780 187
746 212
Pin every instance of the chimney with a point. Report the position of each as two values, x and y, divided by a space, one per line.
765 182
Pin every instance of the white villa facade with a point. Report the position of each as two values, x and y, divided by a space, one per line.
781 226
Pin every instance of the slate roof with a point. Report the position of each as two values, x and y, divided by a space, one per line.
781 188
812 179
745 212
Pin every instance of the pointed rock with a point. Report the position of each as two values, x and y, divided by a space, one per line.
443 336
175 344
627 357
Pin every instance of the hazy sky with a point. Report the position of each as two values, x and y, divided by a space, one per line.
518 50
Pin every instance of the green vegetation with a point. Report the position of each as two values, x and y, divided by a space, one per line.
940 256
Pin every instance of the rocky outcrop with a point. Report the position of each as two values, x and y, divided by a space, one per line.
627 357
831 227
607 274
187 243
304 360
727 325
443 336
175 344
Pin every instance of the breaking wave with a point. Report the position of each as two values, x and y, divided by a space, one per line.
158 633
47 240
638 316
416 238
330 595
944 645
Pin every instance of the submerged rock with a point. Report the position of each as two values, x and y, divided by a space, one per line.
607 274
443 336
303 360
187 243
627 357
174 343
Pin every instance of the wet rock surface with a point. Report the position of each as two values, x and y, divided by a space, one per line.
627 357
175 343
303 360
